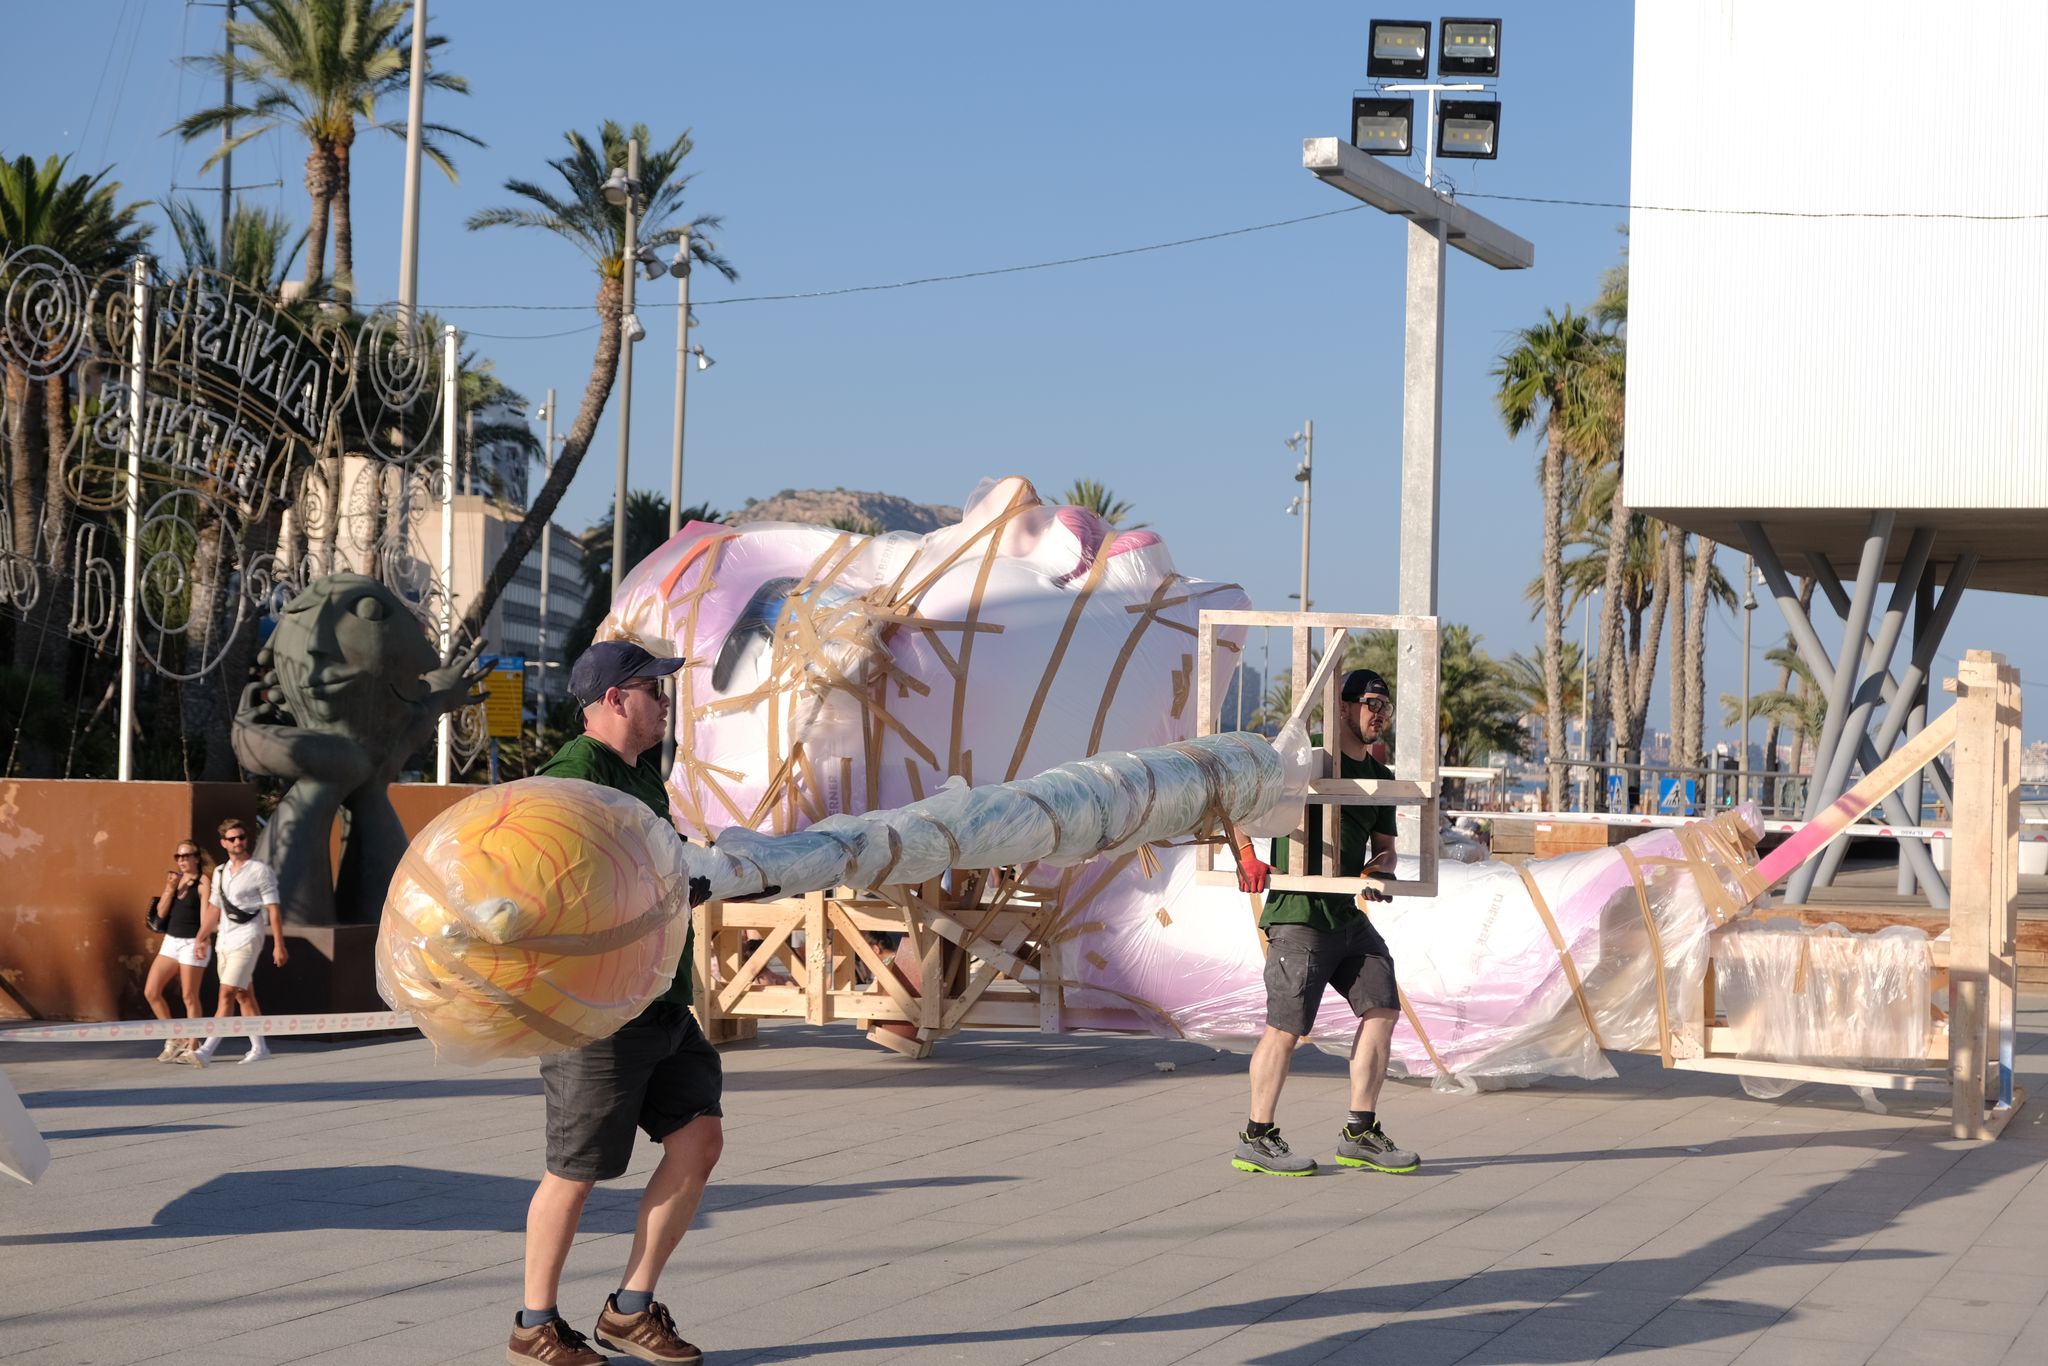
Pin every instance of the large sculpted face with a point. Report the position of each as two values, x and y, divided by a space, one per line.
351 658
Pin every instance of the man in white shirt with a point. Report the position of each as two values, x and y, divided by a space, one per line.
245 891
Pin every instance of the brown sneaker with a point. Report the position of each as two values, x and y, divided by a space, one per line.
553 1343
648 1336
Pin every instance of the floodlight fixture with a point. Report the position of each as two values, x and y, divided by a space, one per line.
1468 130
630 326
1382 126
651 264
680 266
1468 47
617 186
1398 49
704 360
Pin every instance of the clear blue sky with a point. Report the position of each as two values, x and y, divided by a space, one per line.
851 145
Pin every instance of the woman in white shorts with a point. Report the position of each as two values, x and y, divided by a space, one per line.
186 906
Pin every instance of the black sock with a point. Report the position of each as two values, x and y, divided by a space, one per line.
534 1318
631 1302
1254 1129
1361 1120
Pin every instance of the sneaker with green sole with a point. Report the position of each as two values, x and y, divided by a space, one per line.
1268 1155
1373 1150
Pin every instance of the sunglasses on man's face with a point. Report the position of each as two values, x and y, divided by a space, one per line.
234 839
1377 705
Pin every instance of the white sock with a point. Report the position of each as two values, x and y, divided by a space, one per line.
210 1047
259 1047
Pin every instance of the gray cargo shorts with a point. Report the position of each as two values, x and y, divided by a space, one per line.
1301 960
656 1074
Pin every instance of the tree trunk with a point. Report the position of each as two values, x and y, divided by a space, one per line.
320 190
1696 647
1553 607
1610 631
1674 588
344 229
604 369
1645 677
23 467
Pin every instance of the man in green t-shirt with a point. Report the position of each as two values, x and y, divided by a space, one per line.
1319 939
658 1073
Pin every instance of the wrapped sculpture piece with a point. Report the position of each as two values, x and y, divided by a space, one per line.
533 917
1493 996
832 672
543 914
1819 994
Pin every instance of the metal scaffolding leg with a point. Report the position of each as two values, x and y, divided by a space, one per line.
1838 684
1923 612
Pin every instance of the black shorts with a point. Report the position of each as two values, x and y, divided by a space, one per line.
1301 960
657 1074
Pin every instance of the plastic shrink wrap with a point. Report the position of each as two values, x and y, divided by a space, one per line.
1820 994
543 914
1476 962
532 918
832 672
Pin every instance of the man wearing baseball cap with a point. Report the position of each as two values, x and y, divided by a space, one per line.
658 1073
1318 939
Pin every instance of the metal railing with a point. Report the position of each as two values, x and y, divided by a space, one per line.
1681 790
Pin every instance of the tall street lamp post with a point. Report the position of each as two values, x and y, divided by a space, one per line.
1303 443
625 190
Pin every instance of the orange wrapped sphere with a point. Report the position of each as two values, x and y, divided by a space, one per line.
532 918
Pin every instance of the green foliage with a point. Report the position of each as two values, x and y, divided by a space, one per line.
78 216
857 524
261 248
1097 498
594 225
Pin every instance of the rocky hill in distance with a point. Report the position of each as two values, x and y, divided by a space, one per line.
850 507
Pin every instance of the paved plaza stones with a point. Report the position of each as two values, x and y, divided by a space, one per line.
1024 1198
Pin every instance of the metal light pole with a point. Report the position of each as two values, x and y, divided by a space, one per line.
627 266
227 133
675 467
547 555
131 507
1748 614
451 399
1433 222
1585 695
409 234
1304 441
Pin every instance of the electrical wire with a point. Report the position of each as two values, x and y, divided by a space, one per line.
1764 213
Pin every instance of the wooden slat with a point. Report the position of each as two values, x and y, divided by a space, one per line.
1371 791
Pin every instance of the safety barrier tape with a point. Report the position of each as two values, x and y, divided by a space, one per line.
235 1026
1924 832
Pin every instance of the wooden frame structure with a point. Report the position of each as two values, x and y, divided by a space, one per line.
1980 959
1415 783
979 950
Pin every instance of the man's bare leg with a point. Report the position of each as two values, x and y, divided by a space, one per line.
1369 1053
670 1201
551 1220
1270 1061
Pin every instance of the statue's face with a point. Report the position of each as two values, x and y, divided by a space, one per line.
351 657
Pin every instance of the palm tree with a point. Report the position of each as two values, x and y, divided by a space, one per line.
583 217
82 219
1478 710
1802 711
854 522
1522 675
1096 497
1540 378
260 247
646 531
322 68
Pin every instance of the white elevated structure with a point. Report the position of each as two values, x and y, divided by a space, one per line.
1837 353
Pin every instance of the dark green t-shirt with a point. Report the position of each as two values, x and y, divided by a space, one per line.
1357 825
596 762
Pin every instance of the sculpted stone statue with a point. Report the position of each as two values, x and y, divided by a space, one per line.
351 689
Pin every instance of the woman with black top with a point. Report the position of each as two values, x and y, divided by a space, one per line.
187 909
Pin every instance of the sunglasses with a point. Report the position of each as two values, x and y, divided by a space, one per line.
188 853
234 839
1377 705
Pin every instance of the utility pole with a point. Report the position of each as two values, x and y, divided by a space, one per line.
675 470
409 234
451 399
1304 441
547 554
1585 692
131 506
227 133
628 267
1748 614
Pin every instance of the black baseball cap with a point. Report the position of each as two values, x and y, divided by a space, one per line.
1361 682
613 664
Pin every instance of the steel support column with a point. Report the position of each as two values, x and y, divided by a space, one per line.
1829 680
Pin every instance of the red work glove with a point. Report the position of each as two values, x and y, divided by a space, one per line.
1251 871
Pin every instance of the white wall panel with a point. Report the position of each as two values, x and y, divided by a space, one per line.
1837 362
